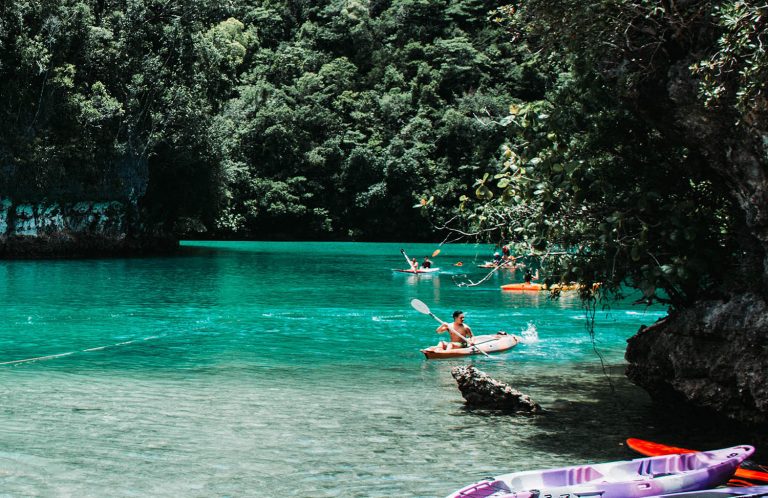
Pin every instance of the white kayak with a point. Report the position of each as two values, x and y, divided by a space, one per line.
490 343
417 272
642 477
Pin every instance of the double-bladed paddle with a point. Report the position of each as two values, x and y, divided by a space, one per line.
416 269
424 309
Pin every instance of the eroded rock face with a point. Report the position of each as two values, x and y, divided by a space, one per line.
482 391
88 228
712 356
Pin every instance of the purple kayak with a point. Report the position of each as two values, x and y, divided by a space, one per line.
642 477
749 492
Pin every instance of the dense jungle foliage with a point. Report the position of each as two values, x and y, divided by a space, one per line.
610 140
646 162
274 118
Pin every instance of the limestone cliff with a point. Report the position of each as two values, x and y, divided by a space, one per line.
712 356
55 210
85 228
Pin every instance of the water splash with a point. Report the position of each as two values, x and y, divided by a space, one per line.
390 318
529 334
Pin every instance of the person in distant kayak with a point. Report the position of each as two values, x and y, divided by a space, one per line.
426 263
456 329
496 258
506 253
414 264
529 276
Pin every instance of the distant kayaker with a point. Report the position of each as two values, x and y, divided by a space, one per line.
529 276
505 252
426 263
414 264
456 329
496 258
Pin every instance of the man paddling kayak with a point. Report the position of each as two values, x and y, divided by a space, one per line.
457 329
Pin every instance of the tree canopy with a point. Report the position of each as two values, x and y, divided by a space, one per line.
617 140
273 118
643 162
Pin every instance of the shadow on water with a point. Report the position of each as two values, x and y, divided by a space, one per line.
599 412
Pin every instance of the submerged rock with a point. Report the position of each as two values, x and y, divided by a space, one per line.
480 390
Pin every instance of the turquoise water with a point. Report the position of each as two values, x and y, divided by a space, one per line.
287 369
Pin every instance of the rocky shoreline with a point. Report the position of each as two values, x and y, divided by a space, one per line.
711 356
64 246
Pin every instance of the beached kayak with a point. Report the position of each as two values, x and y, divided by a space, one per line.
642 477
748 470
751 491
491 343
417 272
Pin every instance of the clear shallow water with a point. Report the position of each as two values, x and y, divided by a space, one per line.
286 369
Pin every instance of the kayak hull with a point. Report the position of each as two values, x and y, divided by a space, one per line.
642 477
720 492
649 448
417 272
522 287
539 287
491 343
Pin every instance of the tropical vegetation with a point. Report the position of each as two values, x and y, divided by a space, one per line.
264 119
645 161
613 140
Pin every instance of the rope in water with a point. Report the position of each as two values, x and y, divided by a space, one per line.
52 356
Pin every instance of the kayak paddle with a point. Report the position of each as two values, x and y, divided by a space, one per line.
424 309
402 251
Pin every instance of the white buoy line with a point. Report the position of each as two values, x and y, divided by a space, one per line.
99 348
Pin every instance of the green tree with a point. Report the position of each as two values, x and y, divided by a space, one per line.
619 174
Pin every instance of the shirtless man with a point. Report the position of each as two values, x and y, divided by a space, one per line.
457 327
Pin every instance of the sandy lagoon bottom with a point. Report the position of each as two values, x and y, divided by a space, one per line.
239 369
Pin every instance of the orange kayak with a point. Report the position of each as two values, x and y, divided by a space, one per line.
649 448
539 287
522 287
491 343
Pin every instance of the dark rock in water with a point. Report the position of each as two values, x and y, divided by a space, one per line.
480 390
713 356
